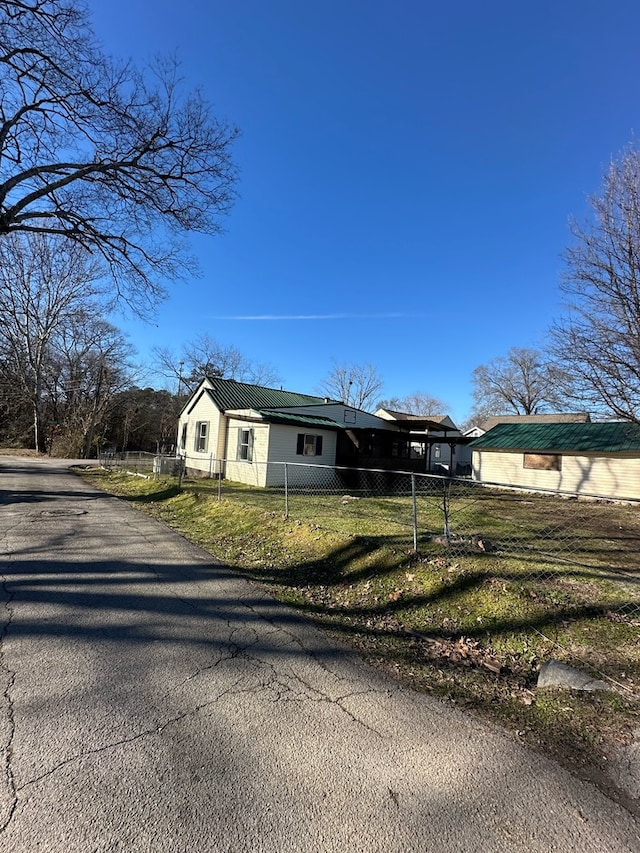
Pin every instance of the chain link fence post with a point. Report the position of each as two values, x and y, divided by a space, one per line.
446 508
415 511
286 491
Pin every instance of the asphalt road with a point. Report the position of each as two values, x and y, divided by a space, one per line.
151 700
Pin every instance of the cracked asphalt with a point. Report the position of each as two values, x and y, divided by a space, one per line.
152 700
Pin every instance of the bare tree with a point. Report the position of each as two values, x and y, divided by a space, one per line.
357 385
204 356
16 418
44 283
417 403
92 358
524 382
109 156
597 344
142 419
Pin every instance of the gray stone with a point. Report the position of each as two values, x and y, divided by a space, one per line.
553 673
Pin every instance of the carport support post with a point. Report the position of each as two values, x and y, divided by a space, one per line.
286 491
415 512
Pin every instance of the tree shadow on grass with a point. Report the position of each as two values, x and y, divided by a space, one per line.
154 497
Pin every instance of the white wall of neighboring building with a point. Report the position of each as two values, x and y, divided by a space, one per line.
613 476
474 432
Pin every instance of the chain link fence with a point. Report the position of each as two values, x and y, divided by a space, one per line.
585 550
142 463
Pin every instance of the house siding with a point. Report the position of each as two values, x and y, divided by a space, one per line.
274 443
201 461
252 473
613 476
283 442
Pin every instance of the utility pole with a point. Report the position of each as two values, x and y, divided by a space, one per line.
180 366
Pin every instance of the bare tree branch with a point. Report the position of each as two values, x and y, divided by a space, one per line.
44 285
417 403
524 382
114 158
204 356
598 342
357 385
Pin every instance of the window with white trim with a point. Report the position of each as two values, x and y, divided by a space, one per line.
309 445
202 436
245 444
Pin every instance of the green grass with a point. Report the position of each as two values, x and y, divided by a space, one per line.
558 579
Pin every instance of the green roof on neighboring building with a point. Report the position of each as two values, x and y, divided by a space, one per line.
229 394
610 437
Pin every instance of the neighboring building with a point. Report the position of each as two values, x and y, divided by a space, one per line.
474 432
435 439
235 429
589 459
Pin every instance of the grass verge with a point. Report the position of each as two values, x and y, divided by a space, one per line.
471 628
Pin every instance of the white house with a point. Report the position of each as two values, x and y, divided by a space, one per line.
238 429
246 432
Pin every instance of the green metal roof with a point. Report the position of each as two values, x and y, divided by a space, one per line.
301 420
613 437
229 394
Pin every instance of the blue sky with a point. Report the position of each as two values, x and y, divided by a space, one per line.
407 173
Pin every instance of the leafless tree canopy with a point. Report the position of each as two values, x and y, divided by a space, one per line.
524 382
204 356
417 403
110 156
598 343
92 364
51 306
357 385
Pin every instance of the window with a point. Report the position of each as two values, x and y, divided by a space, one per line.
245 444
400 448
417 450
543 461
183 437
436 451
202 436
309 445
